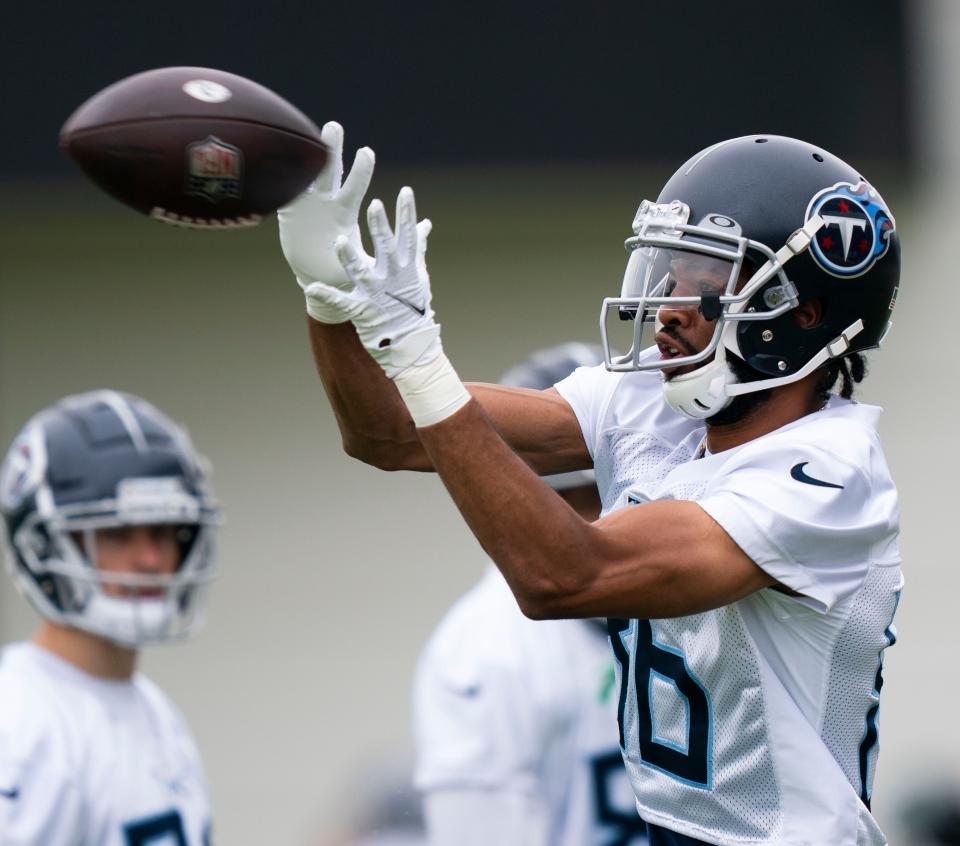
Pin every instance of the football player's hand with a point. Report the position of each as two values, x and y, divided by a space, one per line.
327 210
390 300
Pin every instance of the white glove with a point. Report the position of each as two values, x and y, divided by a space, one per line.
390 308
311 224
390 300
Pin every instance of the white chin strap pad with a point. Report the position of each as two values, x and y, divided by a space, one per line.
129 622
702 392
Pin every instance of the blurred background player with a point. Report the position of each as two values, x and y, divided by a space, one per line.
515 719
108 525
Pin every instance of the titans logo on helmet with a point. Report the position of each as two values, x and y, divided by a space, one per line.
856 231
22 471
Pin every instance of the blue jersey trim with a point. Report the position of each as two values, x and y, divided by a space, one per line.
871 732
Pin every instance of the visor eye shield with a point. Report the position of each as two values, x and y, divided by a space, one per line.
677 266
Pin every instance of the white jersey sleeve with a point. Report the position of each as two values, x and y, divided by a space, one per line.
588 390
816 515
629 430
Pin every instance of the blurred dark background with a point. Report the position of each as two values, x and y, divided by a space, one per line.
494 81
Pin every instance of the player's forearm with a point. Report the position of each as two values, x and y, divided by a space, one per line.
376 427
661 559
374 423
542 546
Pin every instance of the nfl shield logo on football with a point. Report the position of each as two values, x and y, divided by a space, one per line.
214 169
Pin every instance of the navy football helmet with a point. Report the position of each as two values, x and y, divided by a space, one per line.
782 222
100 460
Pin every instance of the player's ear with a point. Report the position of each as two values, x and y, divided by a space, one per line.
809 314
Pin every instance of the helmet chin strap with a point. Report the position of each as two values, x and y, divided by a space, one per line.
130 622
702 392
835 349
711 388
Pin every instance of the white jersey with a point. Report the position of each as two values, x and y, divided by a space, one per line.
756 723
504 703
91 762
630 431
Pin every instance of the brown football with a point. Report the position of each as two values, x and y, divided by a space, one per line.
195 146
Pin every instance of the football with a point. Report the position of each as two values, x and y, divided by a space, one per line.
195 147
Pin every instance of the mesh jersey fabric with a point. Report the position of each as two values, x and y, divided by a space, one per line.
756 723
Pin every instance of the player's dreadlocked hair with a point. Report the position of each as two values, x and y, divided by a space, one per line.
851 368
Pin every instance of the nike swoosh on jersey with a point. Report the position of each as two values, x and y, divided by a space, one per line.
12 793
797 472
421 311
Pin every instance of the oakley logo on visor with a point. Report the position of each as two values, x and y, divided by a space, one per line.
856 231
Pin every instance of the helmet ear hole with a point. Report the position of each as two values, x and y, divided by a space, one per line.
810 313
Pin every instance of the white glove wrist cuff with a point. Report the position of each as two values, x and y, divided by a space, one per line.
432 392
323 313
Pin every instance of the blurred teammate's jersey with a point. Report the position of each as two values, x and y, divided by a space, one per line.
504 703
91 762
757 722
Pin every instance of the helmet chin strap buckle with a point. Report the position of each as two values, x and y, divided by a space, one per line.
795 245
839 346
801 239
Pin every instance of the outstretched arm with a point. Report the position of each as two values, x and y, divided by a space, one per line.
662 559
374 423
377 428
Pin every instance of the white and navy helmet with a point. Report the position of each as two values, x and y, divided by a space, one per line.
542 370
97 460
